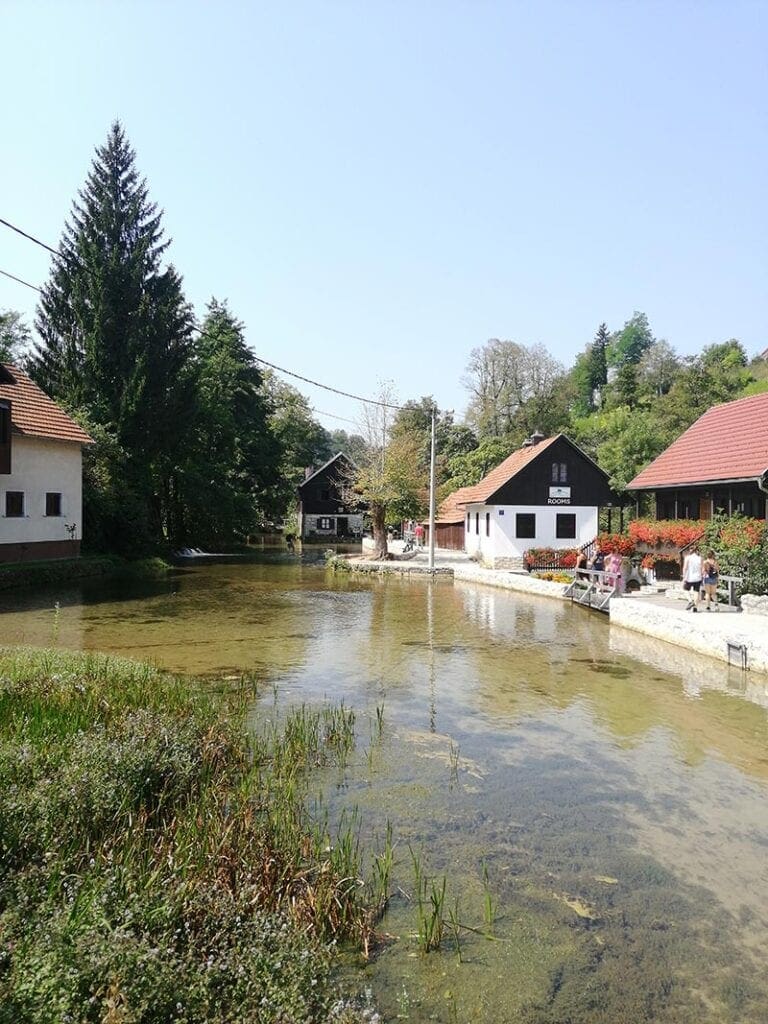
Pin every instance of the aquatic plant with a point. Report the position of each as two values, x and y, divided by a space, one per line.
489 904
158 863
453 759
430 900
383 863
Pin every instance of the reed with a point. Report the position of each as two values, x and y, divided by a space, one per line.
154 845
382 872
489 904
430 902
453 759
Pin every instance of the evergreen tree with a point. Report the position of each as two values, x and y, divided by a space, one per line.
598 368
115 330
226 484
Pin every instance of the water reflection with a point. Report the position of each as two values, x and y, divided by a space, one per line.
522 734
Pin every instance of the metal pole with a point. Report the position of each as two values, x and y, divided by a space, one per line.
432 497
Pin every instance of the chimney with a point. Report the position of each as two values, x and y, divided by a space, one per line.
308 471
537 436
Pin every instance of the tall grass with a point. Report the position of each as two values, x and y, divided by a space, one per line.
157 863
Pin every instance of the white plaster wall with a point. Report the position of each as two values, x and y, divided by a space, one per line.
40 465
503 543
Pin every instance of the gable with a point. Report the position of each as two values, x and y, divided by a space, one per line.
584 482
336 470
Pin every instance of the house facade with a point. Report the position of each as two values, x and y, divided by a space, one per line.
719 465
324 510
41 503
546 494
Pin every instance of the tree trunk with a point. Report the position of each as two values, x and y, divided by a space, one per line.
380 550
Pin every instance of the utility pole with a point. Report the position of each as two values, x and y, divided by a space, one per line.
432 496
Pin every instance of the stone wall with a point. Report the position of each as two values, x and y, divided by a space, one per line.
44 549
706 634
755 604
509 581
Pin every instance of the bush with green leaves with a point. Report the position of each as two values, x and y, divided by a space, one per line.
741 546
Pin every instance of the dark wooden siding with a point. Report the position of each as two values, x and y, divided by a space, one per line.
588 483
322 495
5 437
699 502
447 535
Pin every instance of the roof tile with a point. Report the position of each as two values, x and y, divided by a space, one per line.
729 442
33 413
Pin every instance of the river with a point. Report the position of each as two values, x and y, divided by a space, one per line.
595 800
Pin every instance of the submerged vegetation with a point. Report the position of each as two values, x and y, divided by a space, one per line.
157 865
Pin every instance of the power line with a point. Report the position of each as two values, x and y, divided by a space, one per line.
327 387
289 373
333 416
30 237
14 278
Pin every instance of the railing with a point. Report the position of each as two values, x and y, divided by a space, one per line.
552 566
593 588
590 548
732 583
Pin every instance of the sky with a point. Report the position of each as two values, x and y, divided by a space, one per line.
379 188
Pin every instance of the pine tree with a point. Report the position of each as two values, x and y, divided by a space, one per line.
115 328
599 359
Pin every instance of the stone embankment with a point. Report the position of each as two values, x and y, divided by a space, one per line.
728 636
725 636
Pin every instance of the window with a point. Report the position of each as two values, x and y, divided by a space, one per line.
324 523
559 472
477 522
469 521
14 504
487 524
53 503
5 437
565 526
555 472
525 525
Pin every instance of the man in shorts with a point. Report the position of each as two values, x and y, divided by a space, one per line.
692 578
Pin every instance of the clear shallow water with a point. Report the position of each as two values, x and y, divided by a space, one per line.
614 788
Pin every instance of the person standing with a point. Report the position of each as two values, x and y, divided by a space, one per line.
710 575
581 566
692 576
419 535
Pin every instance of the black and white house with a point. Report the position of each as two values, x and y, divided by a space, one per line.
546 494
324 508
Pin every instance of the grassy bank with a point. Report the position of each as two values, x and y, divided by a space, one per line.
157 864
65 570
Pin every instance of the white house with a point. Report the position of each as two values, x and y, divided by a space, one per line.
546 494
41 504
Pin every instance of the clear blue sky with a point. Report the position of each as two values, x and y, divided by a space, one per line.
377 188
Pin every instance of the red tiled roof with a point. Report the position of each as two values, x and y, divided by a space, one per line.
510 467
729 442
450 510
33 413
